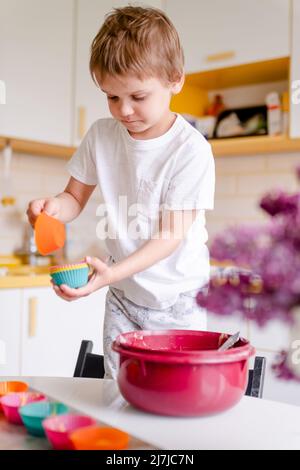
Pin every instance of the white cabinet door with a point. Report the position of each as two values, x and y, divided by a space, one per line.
52 330
10 331
36 63
218 33
90 102
295 73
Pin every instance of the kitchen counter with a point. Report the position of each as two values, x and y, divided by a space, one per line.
21 276
25 280
252 424
14 437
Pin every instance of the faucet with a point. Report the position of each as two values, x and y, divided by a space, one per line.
32 249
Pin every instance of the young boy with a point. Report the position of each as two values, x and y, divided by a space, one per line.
160 164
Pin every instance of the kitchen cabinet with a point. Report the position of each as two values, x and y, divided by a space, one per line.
36 63
10 331
295 76
90 101
44 51
52 330
40 334
217 34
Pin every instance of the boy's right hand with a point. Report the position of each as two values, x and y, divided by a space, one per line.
49 205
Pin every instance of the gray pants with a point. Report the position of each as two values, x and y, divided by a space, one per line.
122 316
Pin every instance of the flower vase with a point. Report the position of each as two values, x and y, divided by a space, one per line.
293 358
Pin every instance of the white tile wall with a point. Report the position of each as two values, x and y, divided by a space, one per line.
273 337
258 184
227 324
226 186
233 207
240 183
279 162
240 165
34 177
216 226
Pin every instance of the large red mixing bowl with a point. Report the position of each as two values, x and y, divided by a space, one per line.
194 381
175 341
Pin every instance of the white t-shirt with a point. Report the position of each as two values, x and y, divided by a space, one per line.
136 179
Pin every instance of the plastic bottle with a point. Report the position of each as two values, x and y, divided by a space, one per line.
274 114
216 107
285 99
7 197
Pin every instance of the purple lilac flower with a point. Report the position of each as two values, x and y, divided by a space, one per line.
240 244
266 281
244 295
278 266
279 202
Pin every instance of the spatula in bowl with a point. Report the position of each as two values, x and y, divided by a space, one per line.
230 342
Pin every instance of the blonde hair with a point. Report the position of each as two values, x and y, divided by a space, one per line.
140 41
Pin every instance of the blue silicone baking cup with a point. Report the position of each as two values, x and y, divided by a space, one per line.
74 278
33 415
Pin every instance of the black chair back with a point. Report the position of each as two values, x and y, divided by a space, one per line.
88 364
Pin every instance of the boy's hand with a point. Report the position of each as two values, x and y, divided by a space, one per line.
100 277
50 205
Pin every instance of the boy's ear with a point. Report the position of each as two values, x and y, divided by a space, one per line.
177 86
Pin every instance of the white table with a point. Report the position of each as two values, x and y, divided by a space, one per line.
15 437
252 424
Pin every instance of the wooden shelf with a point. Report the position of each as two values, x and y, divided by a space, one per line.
241 75
194 100
22 281
38 148
221 148
254 145
2 142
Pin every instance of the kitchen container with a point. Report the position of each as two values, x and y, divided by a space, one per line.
181 372
13 401
58 429
34 414
50 234
74 275
97 438
166 341
10 387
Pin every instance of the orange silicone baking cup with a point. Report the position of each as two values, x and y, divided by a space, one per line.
68 267
50 234
97 438
12 387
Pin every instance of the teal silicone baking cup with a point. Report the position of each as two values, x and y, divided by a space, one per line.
74 277
33 415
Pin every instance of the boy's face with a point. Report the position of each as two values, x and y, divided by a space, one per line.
142 106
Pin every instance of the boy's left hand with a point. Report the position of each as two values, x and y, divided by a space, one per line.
100 277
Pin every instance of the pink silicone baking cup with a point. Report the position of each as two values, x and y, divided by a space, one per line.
58 429
13 401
